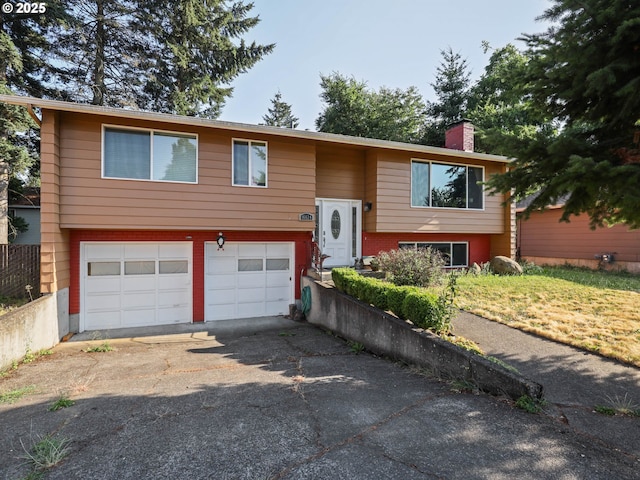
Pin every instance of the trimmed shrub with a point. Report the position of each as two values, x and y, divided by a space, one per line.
396 296
425 309
422 267
420 308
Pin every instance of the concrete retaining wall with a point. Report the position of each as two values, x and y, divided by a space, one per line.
385 334
33 327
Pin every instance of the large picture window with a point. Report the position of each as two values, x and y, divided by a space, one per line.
249 163
455 254
149 155
446 186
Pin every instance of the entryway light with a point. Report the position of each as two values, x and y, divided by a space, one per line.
220 241
368 206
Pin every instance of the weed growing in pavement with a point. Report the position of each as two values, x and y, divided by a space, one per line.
605 410
356 347
62 402
105 346
13 396
46 452
530 405
617 405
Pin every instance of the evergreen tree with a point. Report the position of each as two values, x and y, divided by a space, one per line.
99 56
352 109
451 87
194 53
499 105
280 114
584 74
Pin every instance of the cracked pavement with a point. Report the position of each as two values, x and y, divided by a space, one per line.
278 400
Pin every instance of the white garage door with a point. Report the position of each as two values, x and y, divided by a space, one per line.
248 280
135 284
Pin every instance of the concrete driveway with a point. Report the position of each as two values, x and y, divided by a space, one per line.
271 399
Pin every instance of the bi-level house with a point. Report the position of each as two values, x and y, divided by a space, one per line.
152 219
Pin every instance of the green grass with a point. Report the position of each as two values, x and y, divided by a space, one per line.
13 396
594 311
103 347
46 452
62 402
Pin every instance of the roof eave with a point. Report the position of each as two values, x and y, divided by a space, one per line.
31 102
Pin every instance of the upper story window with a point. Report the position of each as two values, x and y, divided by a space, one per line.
249 163
149 155
446 186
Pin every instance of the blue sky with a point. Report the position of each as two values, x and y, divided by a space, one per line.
392 43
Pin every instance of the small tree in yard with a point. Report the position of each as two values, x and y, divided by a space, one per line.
421 268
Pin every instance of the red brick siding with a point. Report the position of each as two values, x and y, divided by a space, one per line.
479 245
302 256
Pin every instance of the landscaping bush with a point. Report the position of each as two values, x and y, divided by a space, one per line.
425 309
422 267
420 307
396 296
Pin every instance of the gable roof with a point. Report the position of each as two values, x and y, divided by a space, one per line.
32 102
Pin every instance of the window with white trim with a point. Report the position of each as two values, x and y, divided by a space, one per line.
455 254
141 154
249 161
446 186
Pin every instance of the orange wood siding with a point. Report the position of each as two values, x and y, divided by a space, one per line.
89 201
54 252
369 219
394 213
542 235
340 173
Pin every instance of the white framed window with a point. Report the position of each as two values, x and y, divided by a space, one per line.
145 154
455 254
442 185
249 160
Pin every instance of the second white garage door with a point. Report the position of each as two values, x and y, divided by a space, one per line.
248 280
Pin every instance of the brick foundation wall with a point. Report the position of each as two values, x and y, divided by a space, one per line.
302 254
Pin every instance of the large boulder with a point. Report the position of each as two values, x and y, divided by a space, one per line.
505 266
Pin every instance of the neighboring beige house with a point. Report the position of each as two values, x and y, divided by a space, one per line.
134 205
544 240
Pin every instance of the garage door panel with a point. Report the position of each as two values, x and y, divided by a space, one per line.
103 251
104 302
139 283
102 320
139 300
136 293
174 250
173 299
173 315
248 280
251 280
103 285
222 265
251 249
174 282
140 251
139 317
278 250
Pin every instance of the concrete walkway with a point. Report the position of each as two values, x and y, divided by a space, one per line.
275 399
575 381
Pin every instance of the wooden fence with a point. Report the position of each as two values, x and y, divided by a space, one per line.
19 267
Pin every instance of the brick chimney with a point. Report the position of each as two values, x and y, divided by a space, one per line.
459 136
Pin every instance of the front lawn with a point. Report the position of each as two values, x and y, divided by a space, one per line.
595 311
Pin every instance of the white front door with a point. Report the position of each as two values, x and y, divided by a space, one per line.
338 232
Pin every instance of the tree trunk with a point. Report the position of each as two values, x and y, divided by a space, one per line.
99 88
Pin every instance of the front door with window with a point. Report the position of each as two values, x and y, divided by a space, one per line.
338 230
